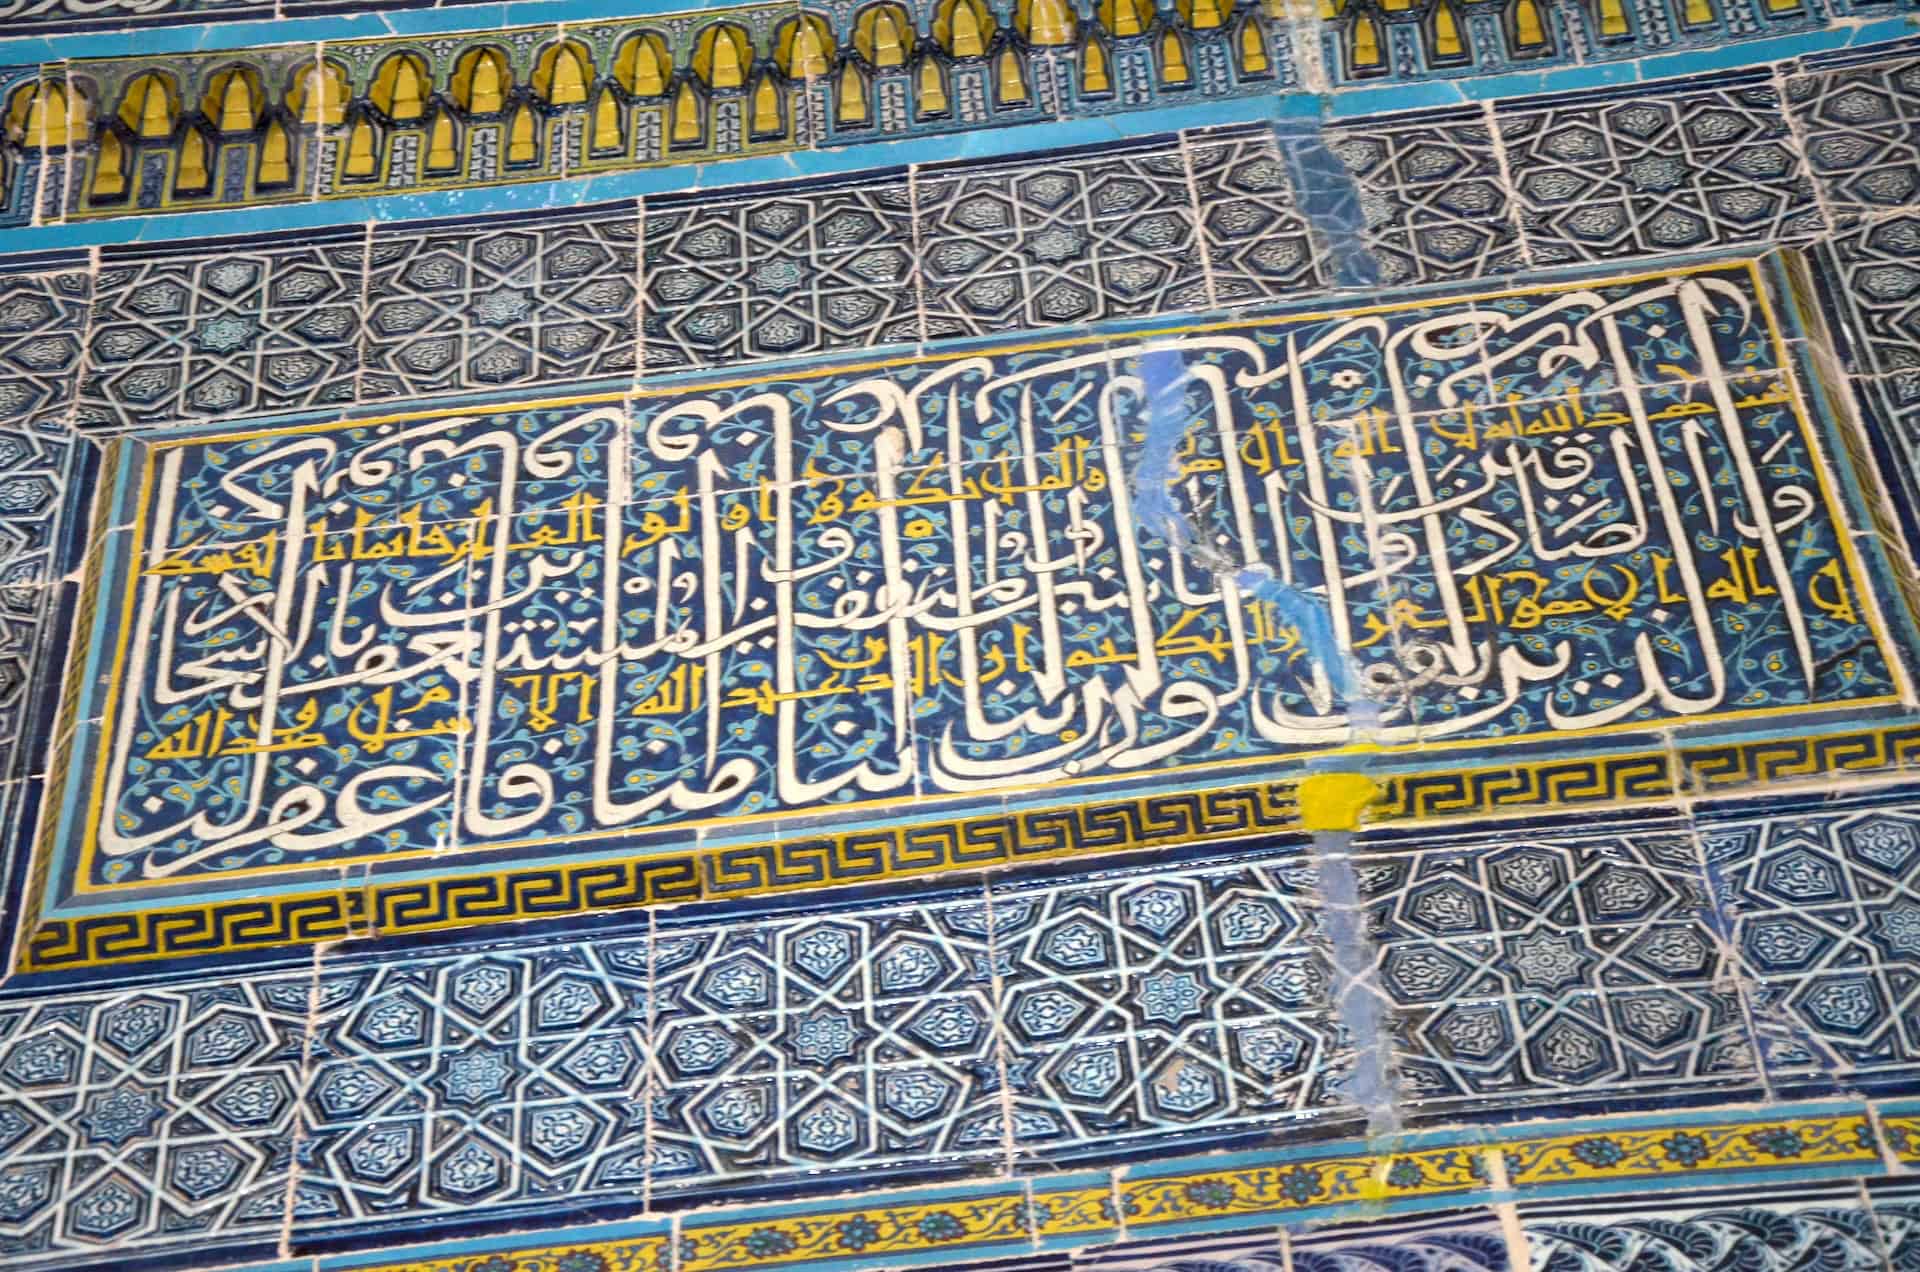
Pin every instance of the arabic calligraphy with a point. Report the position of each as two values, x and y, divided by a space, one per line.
1524 515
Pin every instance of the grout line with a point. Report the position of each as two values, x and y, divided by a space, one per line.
1519 1252
639 289
285 1246
1829 221
919 258
1507 183
38 197
1200 241
996 990
1888 1157
1873 1220
310 173
363 334
648 1059
83 364
1719 927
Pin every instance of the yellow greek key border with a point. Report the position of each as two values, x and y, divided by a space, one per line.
920 850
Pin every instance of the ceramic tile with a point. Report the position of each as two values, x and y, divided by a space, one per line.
43 320
469 1080
1434 196
250 327
1586 966
733 280
1641 177
848 1043
1832 1227
1258 239
1858 124
132 1115
1467 1240
958 635
1815 908
465 309
1149 1007
1873 264
1047 244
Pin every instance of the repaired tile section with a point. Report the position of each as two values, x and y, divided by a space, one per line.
1858 117
1825 918
1434 197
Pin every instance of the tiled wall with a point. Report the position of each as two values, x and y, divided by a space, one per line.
1638 997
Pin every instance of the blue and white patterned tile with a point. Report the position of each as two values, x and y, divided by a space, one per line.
1434 196
492 1079
1256 232
228 330
148 1119
1823 912
1453 1241
1829 1228
43 320
1608 178
1895 1205
1877 284
480 307
1541 968
1155 1006
798 1049
1048 242
779 275
1858 120
1258 1251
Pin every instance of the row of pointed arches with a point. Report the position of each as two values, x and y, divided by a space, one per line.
203 120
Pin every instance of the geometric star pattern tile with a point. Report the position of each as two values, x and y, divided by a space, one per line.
239 330
1858 118
1260 242
544 302
278 323
43 318
732 280
1434 197
1588 964
1824 914
1876 263
1006 247
1648 176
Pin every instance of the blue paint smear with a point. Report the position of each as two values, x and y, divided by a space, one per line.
1163 374
1328 197
1359 1004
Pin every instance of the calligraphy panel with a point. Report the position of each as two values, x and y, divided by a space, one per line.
852 589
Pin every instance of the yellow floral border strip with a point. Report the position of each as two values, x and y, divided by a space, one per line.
1031 1213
